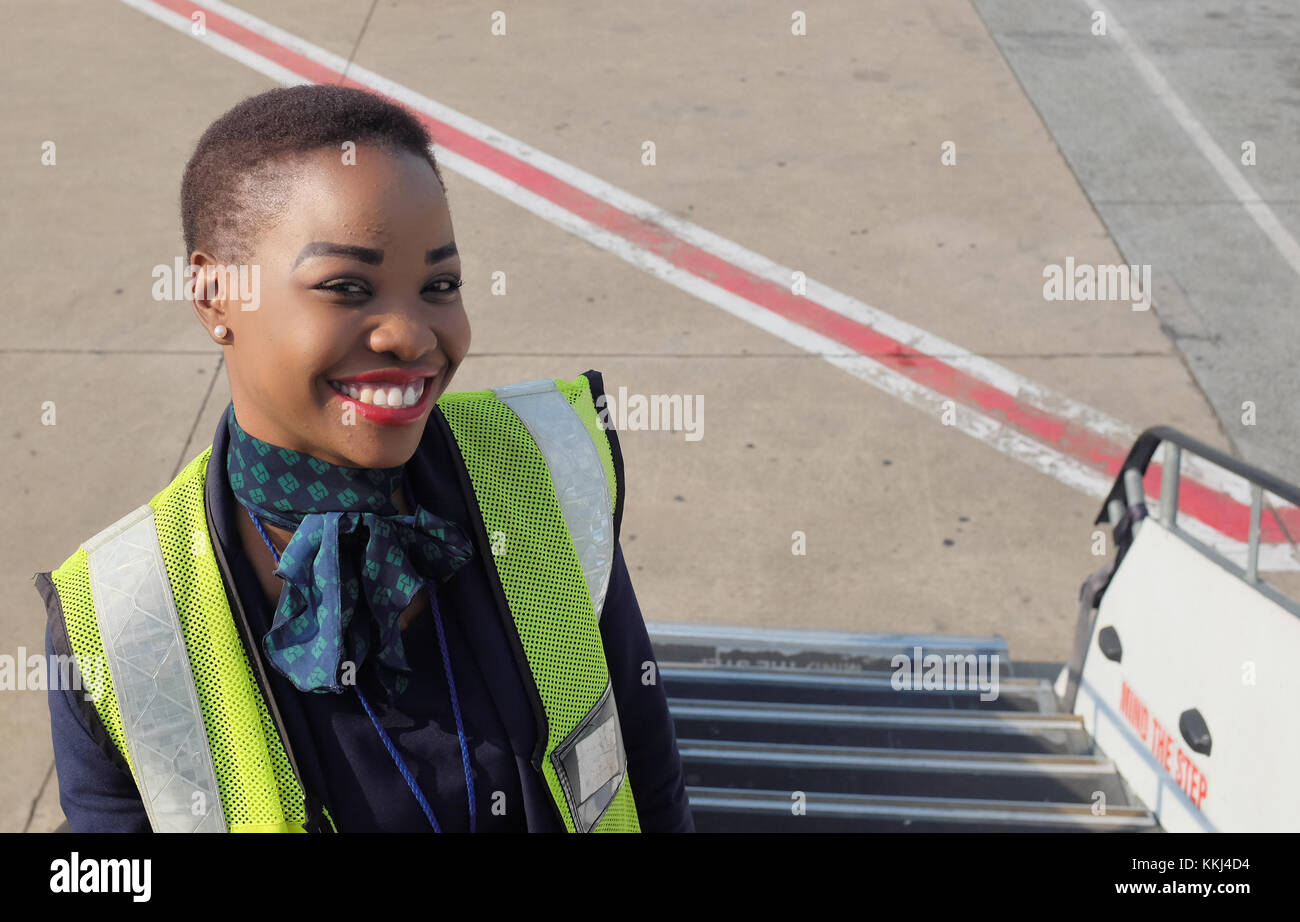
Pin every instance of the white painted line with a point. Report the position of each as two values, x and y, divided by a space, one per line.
1225 166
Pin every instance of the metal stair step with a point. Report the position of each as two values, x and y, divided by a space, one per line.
865 688
725 645
732 810
878 727
906 772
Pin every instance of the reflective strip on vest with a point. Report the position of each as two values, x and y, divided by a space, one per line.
577 473
146 655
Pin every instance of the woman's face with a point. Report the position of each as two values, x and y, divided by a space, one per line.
359 285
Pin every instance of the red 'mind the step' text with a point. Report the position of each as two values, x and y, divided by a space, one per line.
1164 746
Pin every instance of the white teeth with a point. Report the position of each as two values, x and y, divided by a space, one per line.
391 396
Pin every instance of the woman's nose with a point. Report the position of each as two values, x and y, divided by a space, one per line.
408 334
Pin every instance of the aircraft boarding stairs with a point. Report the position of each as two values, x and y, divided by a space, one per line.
868 757
809 731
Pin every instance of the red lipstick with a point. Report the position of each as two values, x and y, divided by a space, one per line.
402 378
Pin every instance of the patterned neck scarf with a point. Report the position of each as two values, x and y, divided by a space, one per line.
352 566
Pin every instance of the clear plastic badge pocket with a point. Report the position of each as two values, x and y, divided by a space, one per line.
592 763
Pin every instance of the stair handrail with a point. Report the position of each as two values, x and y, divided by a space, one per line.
1140 457
1124 508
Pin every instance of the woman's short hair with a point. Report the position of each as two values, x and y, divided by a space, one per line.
242 169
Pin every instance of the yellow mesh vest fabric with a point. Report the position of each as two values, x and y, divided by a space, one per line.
258 790
538 567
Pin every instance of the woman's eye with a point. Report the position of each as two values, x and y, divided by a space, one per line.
451 286
343 287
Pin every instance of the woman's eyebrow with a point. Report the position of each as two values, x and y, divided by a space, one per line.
324 248
446 251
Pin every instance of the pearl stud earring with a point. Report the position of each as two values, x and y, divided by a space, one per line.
219 331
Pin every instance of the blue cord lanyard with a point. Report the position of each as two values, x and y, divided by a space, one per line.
388 743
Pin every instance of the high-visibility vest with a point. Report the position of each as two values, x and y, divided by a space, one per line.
195 729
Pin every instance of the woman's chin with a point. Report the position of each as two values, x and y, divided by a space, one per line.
394 452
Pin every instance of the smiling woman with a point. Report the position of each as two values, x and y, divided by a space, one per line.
354 660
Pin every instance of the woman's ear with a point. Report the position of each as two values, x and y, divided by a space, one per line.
212 295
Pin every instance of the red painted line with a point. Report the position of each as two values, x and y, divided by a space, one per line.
1210 506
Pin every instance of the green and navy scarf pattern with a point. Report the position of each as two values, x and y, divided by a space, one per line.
352 567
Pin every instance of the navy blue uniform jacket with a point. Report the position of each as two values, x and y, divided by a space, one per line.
341 757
